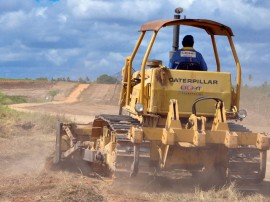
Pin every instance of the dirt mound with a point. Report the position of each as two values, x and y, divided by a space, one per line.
101 94
37 91
82 104
25 84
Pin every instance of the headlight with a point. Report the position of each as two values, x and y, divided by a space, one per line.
242 113
139 108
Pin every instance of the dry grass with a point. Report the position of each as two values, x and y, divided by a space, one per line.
14 123
26 140
50 188
228 193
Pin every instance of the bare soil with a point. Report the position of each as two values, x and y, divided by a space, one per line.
81 107
27 173
37 91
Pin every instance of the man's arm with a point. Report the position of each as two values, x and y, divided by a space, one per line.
172 61
202 62
170 64
204 66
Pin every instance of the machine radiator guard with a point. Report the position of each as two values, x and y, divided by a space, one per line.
194 111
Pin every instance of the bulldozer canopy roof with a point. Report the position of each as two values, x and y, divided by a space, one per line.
211 27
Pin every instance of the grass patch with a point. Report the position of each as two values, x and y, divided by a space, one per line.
53 93
14 123
8 99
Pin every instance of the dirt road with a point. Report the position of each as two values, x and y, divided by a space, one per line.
75 94
83 103
27 175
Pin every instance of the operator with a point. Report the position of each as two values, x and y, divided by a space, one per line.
187 55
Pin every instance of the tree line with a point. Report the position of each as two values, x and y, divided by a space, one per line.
102 79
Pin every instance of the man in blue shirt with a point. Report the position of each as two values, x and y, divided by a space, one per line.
187 58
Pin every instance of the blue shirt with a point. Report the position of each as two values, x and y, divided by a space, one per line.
187 54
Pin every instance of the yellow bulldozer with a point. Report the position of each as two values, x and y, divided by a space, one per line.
171 119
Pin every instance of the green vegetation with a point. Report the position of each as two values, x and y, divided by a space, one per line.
14 123
84 80
67 79
8 99
42 79
53 93
106 79
10 79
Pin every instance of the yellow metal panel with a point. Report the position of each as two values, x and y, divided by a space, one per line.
215 137
136 134
231 140
247 138
152 133
184 135
262 142
186 87
168 137
199 139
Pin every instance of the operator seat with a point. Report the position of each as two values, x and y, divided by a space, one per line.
189 66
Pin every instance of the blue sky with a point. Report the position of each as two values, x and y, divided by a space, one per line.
78 38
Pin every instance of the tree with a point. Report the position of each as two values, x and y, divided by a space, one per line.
104 78
250 78
87 79
42 79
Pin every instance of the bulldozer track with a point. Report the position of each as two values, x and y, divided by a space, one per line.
125 158
237 127
123 154
246 163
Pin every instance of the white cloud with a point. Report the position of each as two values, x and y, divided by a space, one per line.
9 56
251 52
115 56
95 9
55 57
40 12
84 9
62 18
12 20
237 13
186 4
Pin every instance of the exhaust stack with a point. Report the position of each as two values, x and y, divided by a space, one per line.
176 31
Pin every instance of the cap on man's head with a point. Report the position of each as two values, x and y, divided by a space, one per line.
188 41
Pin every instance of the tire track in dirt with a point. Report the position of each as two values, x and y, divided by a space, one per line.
72 98
74 95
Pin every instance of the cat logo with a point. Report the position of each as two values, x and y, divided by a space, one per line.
191 88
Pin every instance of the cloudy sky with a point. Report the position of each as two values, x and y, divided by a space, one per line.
78 38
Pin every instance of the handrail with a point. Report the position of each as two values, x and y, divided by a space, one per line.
130 66
216 52
239 73
143 66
